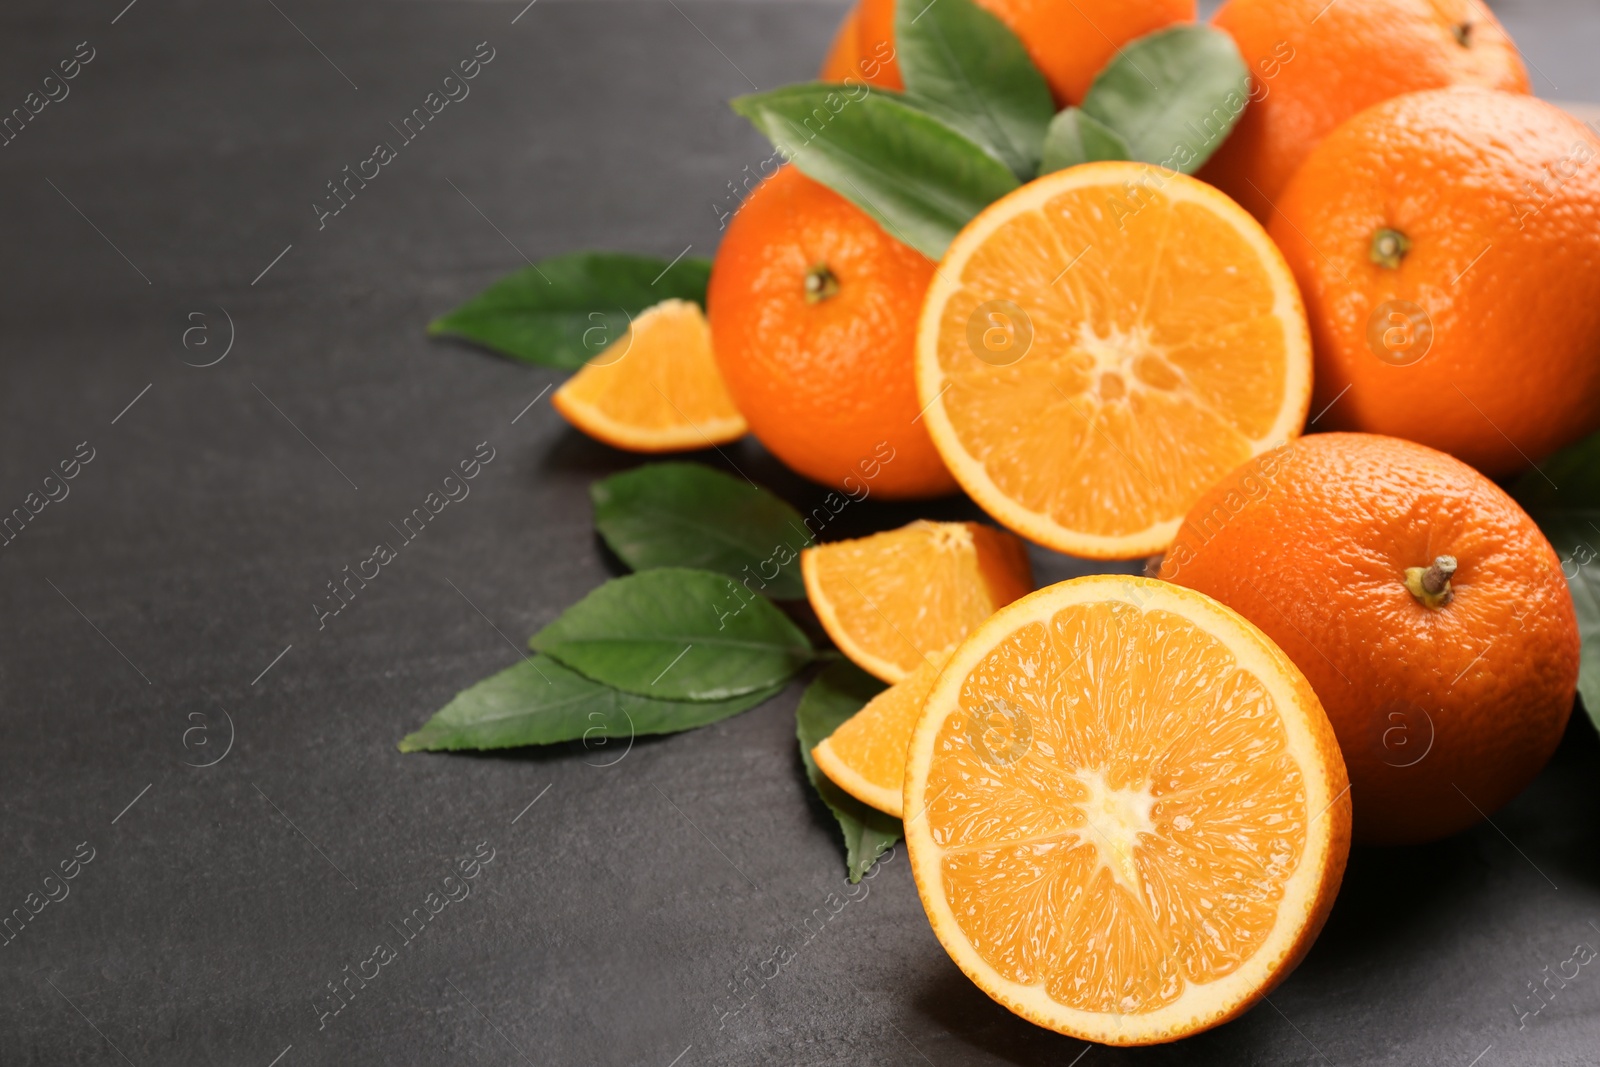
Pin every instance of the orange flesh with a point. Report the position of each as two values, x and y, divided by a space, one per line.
1168 345
866 755
657 388
1131 816
892 600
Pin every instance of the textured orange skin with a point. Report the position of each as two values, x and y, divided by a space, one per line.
840 62
1356 53
1068 40
1513 371
1311 544
828 386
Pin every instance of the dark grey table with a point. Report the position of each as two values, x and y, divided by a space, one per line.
159 614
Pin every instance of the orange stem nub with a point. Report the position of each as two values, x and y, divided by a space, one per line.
1431 584
1388 248
820 283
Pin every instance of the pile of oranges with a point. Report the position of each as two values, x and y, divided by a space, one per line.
1128 800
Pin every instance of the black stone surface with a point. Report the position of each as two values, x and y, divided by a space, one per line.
164 606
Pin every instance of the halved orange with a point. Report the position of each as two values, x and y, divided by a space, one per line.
892 600
656 388
866 755
1102 345
1126 812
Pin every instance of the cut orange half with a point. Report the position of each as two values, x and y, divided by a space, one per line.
892 600
1125 810
656 388
866 755
1101 346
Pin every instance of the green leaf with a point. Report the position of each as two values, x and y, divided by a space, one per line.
835 695
688 515
563 311
1076 138
966 66
1172 95
540 702
677 634
1570 518
913 173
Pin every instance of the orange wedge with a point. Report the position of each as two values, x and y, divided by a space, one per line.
890 601
866 755
1101 346
1126 812
656 388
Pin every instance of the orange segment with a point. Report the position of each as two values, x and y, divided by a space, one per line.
866 755
1100 346
1127 814
656 388
890 601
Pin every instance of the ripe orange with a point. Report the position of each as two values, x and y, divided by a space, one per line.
1447 699
1314 64
1068 40
1479 334
1125 811
892 600
1100 346
843 54
813 312
654 389
866 755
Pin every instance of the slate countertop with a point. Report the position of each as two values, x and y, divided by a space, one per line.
244 385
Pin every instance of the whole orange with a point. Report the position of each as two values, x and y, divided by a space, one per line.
1068 40
1448 692
1313 64
813 312
1447 244
842 58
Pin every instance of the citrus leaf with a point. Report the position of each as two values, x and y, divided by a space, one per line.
540 702
1172 95
563 311
966 66
1570 518
1076 138
918 177
688 515
832 697
676 634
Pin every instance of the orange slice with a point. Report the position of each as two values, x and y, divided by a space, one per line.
891 600
656 388
1101 346
1127 814
866 755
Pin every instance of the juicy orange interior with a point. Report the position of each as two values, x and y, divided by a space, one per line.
872 742
906 594
1117 808
659 375
1155 358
